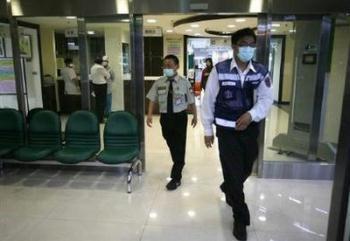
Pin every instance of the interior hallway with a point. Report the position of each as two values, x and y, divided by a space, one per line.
65 203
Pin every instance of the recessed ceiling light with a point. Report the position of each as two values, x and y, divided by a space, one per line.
276 25
91 32
240 20
188 30
170 31
195 25
71 17
151 21
231 26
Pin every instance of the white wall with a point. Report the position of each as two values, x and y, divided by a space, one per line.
288 68
277 67
114 37
335 91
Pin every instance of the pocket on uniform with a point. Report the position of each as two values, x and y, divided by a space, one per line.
162 98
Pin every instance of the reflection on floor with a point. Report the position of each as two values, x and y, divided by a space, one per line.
59 204
276 123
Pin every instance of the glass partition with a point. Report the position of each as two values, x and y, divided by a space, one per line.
295 62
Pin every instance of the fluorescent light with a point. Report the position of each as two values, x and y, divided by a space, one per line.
276 25
273 30
122 6
151 21
240 20
71 17
186 194
125 20
188 30
197 34
170 31
8 1
231 26
191 213
195 25
91 32
255 6
153 215
292 30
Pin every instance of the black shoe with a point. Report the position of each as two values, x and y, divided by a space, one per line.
240 231
172 185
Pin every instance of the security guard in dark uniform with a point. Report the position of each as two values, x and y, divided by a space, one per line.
238 95
174 96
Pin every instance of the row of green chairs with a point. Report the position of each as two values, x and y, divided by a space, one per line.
81 142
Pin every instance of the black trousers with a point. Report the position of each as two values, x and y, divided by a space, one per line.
174 130
238 151
101 93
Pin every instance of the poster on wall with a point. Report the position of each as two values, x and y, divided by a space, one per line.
7 76
173 46
2 48
25 45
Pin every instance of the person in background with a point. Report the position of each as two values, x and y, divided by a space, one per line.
110 80
229 102
99 76
174 95
71 80
206 72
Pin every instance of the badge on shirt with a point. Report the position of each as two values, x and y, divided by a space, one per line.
161 87
179 100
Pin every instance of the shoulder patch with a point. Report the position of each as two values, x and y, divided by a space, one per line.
268 81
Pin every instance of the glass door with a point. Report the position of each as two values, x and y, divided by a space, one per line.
299 63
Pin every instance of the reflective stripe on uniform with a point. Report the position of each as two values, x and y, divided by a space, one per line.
228 76
225 123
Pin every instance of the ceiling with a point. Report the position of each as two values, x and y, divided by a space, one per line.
165 23
197 28
62 23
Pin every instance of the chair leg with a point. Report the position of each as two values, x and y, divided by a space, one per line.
129 179
138 165
139 168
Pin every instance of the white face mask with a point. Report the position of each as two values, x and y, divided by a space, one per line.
169 72
245 54
71 65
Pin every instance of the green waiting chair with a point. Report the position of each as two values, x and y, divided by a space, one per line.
82 138
32 112
121 143
44 137
11 131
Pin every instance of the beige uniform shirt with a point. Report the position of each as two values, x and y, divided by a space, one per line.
182 93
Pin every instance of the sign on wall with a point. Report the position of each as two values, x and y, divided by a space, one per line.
173 46
152 32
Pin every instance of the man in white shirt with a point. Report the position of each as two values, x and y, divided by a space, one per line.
71 81
99 76
110 81
229 103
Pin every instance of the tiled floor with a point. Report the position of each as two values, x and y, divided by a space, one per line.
59 204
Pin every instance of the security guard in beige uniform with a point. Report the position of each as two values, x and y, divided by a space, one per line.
174 96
